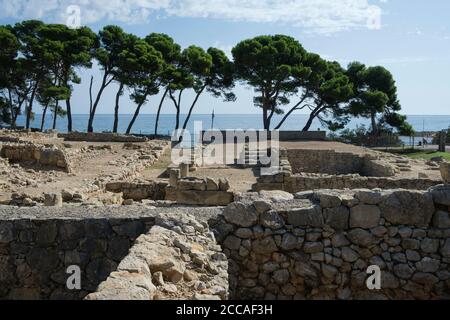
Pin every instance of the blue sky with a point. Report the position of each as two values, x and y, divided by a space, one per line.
409 37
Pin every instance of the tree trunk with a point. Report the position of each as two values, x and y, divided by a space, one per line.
43 117
136 113
312 116
192 108
308 124
265 118
30 107
97 101
55 115
374 124
159 111
69 115
116 109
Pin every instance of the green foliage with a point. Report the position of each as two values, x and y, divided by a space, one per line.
362 136
268 63
375 96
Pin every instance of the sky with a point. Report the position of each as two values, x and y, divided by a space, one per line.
409 37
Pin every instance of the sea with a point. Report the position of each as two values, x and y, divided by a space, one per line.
145 123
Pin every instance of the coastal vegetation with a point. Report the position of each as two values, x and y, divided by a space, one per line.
39 64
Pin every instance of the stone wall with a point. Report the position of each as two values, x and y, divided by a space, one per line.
139 191
38 244
332 162
203 192
304 182
283 135
320 245
180 260
34 255
43 155
101 137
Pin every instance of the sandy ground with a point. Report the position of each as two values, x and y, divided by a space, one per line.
241 180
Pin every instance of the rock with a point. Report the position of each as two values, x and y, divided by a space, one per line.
328 200
445 250
369 197
405 232
428 265
413 208
364 216
426 279
262 206
272 220
244 233
212 185
339 240
305 270
224 185
337 218
313 247
276 196
289 242
198 296
445 171
361 237
428 245
158 278
328 271
67 195
6 233
403 271
128 202
232 243
349 255
264 246
281 277
441 194
441 219
240 214
53 200
306 217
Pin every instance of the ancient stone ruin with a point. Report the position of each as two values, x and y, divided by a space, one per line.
139 227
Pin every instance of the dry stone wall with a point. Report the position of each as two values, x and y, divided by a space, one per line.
304 182
179 260
100 137
319 245
203 192
42 155
332 162
37 245
34 255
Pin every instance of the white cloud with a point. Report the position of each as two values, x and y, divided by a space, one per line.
323 16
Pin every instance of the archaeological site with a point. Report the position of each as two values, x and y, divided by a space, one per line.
326 220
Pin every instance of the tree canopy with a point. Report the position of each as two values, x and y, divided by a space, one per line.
39 63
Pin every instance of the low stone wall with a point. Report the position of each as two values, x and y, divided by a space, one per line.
43 155
304 182
34 255
179 261
283 135
37 245
203 192
100 137
139 191
332 162
320 245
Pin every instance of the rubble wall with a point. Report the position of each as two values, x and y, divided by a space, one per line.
320 245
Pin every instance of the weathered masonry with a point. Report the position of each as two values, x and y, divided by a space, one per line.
270 245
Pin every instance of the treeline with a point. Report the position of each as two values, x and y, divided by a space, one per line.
39 64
